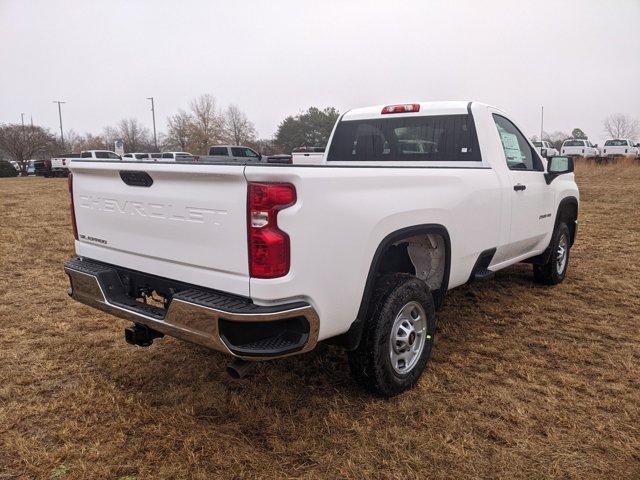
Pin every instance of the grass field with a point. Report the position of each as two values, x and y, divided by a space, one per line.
525 381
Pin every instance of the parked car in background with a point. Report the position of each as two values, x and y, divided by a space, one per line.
31 169
620 148
59 165
307 155
232 153
261 261
15 165
176 156
577 147
549 149
100 155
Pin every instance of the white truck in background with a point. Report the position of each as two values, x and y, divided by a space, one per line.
99 155
620 148
175 157
546 148
262 261
59 166
141 156
232 153
577 147
307 155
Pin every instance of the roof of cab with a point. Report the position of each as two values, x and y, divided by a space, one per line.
426 108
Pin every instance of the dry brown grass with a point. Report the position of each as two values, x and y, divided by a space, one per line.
525 381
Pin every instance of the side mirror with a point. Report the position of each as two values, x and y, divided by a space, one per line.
558 166
637 144
543 152
596 145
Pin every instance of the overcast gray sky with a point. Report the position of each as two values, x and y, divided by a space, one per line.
580 59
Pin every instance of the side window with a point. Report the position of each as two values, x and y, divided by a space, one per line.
102 155
250 153
167 155
85 155
219 151
127 155
519 154
238 152
113 156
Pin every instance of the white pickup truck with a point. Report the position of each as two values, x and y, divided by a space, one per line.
59 166
620 148
577 147
264 260
546 149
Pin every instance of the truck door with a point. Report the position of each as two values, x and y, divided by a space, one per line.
531 198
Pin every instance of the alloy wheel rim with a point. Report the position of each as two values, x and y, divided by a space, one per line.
408 337
561 254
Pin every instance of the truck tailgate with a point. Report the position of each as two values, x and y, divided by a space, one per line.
189 224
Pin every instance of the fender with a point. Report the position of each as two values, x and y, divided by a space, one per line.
564 203
351 338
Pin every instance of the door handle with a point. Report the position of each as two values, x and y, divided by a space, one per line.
518 186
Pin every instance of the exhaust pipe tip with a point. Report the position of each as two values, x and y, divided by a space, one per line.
239 368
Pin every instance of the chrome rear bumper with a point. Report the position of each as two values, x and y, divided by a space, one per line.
194 315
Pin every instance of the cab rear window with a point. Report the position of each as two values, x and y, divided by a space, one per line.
428 138
574 143
615 143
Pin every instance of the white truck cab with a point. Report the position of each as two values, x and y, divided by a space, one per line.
547 148
100 155
620 148
262 261
577 147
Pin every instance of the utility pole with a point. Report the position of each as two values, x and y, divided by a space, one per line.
60 115
153 115
541 122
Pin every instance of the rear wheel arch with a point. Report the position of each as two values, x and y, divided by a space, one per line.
351 338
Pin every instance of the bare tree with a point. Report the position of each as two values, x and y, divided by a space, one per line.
179 127
556 138
136 137
89 141
621 126
237 127
22 143
207 126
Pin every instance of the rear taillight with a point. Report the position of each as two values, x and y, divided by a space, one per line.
269 248
72 206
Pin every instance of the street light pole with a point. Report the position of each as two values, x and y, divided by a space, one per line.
60 115
541 122
153 115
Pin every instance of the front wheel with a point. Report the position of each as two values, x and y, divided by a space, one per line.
555 269
398 336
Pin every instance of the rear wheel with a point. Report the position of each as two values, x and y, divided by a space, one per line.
398 336
554 271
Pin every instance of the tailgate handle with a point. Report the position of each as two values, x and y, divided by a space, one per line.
136 179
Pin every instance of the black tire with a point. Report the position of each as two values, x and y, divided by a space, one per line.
550 273
370 363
